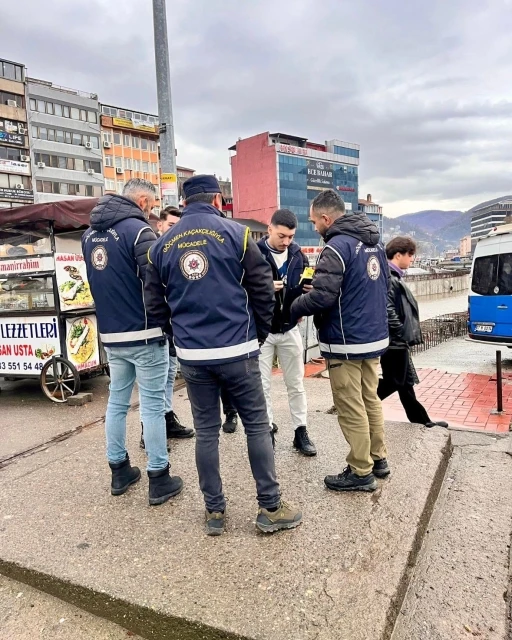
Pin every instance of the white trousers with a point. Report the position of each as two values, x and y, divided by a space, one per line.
289 349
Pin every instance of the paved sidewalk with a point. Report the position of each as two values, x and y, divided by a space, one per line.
464 400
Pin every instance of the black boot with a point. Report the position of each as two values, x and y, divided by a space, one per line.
123 475
175 429
275 428
143 444
162 486
231 422
302 442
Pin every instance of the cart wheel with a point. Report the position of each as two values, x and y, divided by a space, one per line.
59 380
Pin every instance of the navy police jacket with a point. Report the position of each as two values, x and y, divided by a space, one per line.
115 252
207 275
297 262
349 296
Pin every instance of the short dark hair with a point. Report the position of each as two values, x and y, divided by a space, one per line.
170 211
201 197
330 201
284 217
400 244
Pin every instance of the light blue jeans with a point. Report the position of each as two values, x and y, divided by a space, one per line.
149 365
169 387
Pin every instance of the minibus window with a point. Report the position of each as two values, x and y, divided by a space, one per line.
505 274
485 275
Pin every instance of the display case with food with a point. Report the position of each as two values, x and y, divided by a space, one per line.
47 323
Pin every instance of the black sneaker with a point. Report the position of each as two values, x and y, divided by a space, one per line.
275 428
175 429
348 481
302 442
439 423
381 468
163 486
142 444
123 475
231 423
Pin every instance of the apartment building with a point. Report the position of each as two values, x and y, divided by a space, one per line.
129 141
65 142
15 170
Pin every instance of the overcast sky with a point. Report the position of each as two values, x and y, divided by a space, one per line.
423 86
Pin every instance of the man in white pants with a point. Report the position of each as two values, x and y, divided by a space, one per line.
288 264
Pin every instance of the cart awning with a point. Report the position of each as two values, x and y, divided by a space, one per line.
66 215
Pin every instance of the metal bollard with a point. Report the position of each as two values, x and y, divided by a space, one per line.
499 382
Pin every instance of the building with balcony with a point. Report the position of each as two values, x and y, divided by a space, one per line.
129 141
65 142
275 170
373 211
16 186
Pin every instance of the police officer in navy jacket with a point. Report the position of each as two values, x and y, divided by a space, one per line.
349 304
115 252
209 278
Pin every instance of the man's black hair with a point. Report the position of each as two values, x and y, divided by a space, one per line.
400 244
170 211
201 197
330 202
285 218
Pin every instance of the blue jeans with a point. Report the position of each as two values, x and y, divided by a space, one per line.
169 387
149 365
242 380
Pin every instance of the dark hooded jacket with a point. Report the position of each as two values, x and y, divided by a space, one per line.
115 250
349 293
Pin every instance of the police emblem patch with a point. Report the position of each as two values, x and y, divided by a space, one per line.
99 257
373 268
194 265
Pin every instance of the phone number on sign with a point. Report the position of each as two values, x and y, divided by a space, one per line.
21 366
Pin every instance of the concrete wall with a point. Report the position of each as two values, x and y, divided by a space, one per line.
254 175
438 284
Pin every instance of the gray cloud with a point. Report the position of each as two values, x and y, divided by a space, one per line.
423 87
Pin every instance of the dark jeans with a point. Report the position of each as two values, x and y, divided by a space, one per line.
227 402
242 380
414 410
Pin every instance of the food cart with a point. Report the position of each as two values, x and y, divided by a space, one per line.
48 326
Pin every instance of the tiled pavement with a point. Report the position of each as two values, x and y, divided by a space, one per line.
464 400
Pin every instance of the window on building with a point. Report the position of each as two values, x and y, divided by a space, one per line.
75 113
145 167
136 142
79 164
117 138
143 117
122 113
7 96
83 115
136 165
127 140
57 108
94 165
129 115
49 108
51 135
8 153
110 185
92 117
77 138
109 161
41 106
65 111
152 119
152 146
144 144
127 163
68 138
154 168
32 104
119 187
43 133
95 142
136 116
118 162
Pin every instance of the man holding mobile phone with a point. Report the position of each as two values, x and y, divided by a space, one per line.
288 265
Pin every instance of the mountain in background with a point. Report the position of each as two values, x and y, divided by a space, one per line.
430 220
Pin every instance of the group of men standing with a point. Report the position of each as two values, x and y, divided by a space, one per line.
207 294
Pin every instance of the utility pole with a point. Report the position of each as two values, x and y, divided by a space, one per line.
168 178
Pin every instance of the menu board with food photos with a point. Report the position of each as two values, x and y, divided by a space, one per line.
74 289
82 342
